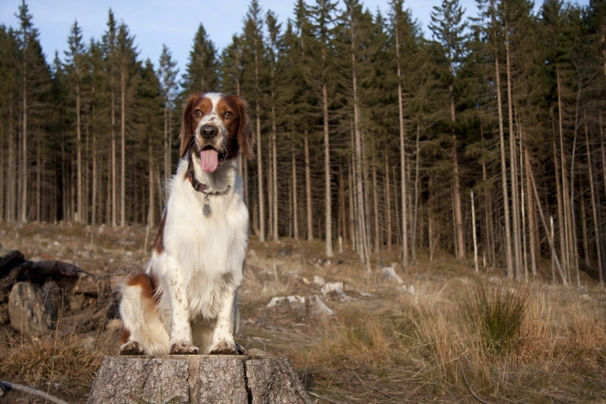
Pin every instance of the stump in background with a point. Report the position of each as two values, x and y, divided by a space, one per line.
196 379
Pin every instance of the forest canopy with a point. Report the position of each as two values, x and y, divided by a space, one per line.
483 136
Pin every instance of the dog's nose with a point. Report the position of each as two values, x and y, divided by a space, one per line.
208 131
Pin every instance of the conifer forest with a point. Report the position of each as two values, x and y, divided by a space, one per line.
481 137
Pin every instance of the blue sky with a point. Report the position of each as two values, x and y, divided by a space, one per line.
154 22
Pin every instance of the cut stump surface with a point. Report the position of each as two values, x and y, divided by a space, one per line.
196 379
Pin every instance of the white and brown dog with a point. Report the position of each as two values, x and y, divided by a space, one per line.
185 302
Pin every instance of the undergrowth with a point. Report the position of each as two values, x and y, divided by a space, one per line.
527 343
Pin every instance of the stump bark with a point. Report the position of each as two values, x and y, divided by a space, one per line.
196 379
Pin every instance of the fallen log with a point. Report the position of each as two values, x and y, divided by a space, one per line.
14 268
197 379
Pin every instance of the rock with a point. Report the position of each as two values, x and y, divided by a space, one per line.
286 250
318 280
316 307
257 353
53 300
197 379
27 311
410 289
335 290
77 302
389 274
312 305
293 302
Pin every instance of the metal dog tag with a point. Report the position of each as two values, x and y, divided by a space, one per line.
206 210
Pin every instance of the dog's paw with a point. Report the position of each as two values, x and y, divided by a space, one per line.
131 348
182 348
226 348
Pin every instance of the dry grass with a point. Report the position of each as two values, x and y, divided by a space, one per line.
461 334
62 365
515 343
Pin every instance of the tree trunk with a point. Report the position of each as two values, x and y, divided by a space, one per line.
565 219
515 205
532 218
24 180
310 234
166 144
151 217
274 177
197 379
295 207
11 202
473 232
94 166
327 200
489 248
404 208
388 204
123 148
508 252
458 209
260 175
113 185
375 205
594 206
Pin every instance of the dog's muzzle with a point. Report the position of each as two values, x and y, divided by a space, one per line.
209 132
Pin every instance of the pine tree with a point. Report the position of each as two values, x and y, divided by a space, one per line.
109 43
127 65
273 50
323 15
9 89
202 71
254 68
149 117
449 31
355 32
168 75
76 70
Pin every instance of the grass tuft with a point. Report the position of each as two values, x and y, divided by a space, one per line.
498 313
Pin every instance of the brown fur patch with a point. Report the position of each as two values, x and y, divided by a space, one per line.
196 102
124 336
147 284
159 242
240 136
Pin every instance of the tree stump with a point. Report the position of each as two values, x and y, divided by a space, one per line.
196 379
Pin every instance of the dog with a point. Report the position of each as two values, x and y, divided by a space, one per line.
185 302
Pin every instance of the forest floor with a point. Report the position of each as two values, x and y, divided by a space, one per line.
444 335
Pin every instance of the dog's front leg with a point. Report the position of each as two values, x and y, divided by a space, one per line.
223 336
180 328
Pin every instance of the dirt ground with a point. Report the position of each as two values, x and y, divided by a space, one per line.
370 350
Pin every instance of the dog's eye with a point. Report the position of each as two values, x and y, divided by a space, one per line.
197 113
227 115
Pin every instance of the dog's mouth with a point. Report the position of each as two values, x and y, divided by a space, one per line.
210 159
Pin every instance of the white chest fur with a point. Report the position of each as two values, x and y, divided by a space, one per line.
207 250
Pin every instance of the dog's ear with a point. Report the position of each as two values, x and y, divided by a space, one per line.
246 138
187 124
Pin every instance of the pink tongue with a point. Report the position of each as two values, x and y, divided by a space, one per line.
209 160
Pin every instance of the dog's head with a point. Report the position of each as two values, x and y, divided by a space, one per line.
215 128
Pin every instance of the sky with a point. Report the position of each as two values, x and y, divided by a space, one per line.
170 22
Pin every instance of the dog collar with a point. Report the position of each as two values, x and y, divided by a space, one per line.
200 187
